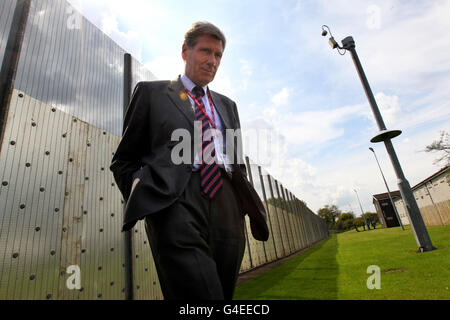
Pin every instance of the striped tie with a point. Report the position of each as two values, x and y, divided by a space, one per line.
210 175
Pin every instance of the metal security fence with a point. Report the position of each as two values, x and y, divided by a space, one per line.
60 210
292 225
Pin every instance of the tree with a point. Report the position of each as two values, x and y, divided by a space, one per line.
359 222
345 221
372 218
329 214
442 145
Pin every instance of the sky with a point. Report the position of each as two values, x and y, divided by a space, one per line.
303 111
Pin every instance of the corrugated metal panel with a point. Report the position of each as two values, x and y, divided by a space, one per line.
259 254
246 261
60 206
275 230
141 73
278 219
302 226
290 220
270 245
69 63
305 214
295 222
101 210
73 203
32 202
146 283
6 15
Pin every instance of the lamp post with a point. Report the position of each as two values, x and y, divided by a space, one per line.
389 192
412 210
362 211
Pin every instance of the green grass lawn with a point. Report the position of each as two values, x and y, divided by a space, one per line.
337 269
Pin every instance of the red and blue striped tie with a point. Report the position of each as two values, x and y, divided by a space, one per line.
210 175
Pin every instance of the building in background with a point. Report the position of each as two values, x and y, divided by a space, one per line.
432 196
385 209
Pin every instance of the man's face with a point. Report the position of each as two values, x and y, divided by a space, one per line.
203 60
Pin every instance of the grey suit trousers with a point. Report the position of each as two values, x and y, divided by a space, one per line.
198 244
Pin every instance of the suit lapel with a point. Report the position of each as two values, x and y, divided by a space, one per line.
221 110
179 97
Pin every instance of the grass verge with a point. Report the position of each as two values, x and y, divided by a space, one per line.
337 269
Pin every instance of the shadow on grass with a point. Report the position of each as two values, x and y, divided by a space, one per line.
309 276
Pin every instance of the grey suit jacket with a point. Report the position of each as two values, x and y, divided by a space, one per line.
143 156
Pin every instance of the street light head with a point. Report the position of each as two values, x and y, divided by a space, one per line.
371 149
384 135
348 43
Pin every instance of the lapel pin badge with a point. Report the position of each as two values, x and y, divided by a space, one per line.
183 96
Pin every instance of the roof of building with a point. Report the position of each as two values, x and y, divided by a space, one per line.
382 196
396 194
437 173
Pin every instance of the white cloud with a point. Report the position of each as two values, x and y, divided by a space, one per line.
312 128
246 69
130 40
281 98
389 107
131 24
166 67
109 24
222 83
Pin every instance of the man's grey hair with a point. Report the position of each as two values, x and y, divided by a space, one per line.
200 28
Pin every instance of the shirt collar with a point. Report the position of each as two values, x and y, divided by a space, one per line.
189 84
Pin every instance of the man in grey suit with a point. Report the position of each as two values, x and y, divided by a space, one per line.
193 209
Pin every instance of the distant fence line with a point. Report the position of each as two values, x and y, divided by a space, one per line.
60 209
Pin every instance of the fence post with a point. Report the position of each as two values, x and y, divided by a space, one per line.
285 226
128 235
302 224
249 173
288 215
11 60
276 213
295 218
267 210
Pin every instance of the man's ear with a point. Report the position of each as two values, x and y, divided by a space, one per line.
183 51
